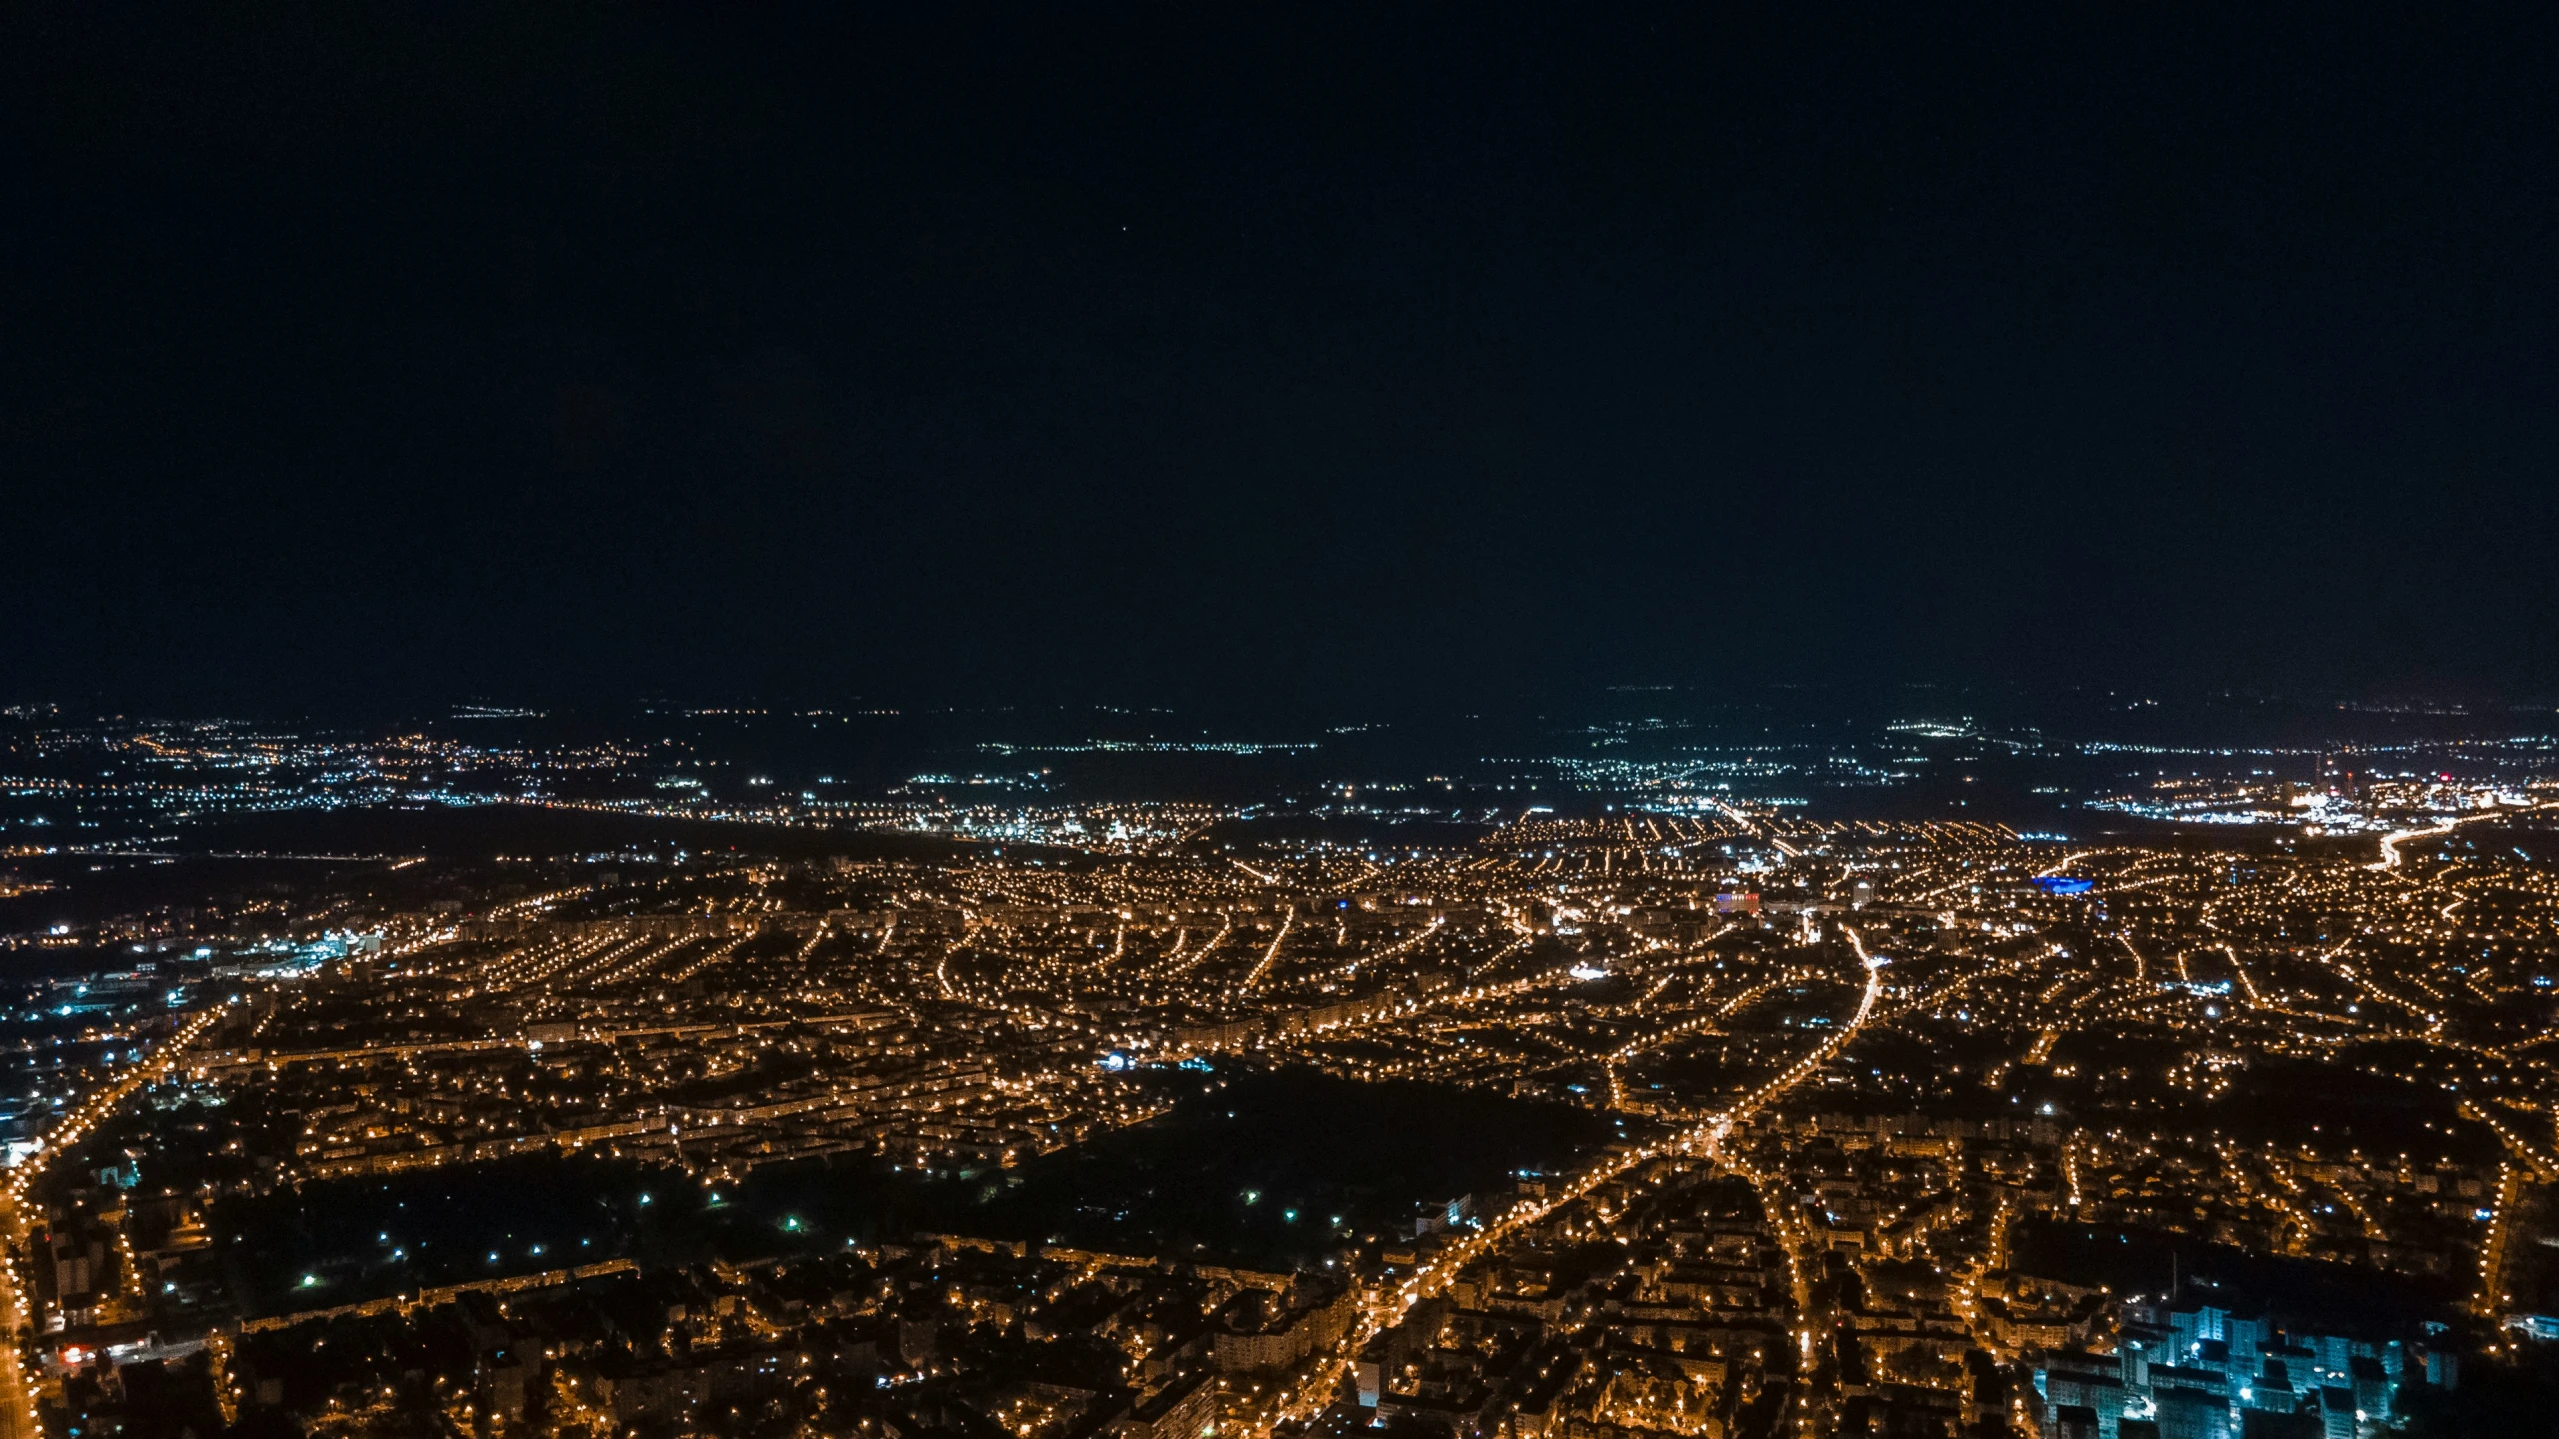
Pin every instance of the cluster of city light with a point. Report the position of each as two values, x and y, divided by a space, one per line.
983 1011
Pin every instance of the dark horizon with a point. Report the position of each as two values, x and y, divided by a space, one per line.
1143 355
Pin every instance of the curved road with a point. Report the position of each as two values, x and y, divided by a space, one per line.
1385 1307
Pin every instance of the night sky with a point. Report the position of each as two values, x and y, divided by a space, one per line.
1200 353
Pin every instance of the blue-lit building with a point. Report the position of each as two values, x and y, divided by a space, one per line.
2198 1371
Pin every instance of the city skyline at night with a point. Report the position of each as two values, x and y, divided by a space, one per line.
1678 1066
1132 721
